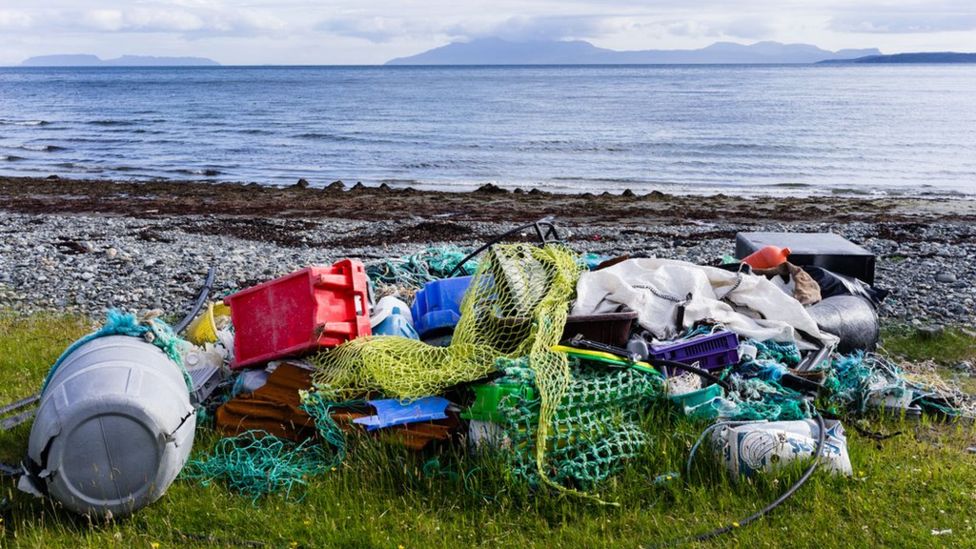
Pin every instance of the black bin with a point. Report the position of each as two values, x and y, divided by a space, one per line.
827 250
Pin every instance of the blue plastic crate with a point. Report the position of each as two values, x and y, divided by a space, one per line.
437 307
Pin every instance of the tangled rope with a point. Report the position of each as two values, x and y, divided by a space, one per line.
257 463
153 330
415 270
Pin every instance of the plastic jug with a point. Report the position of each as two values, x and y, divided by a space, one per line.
767 257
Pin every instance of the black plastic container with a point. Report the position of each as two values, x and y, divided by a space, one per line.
827 250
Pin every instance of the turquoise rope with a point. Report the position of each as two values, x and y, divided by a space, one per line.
126 324
256 463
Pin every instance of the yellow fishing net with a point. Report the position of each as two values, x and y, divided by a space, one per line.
516 306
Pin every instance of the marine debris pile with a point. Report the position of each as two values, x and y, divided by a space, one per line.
551 356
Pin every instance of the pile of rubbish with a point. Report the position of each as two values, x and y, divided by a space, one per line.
552 356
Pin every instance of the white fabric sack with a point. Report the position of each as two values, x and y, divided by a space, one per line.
762 311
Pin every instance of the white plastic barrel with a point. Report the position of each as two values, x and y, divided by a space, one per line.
113 429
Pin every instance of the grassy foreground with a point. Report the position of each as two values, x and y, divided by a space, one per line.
908 491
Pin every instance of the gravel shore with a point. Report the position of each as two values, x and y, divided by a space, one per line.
86 260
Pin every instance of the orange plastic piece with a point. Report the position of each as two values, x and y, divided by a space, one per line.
273 408
767 257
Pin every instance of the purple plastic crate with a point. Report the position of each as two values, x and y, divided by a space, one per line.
710 352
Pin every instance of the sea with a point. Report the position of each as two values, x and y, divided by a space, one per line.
758 130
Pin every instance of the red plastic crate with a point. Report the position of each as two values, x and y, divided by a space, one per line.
298 313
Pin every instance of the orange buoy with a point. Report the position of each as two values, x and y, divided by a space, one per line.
767 257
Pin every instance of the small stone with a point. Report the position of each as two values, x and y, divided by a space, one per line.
945 278
111 253
628 193
931 332
301 184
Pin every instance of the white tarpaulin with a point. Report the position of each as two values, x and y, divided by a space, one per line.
749 305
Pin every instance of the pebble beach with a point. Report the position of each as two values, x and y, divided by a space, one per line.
83 247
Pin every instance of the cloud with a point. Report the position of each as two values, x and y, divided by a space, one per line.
189 22
141 20
904 23
15 19
520 28
375 29
545 28
748 28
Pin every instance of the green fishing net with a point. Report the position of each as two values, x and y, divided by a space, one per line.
516 305
593 431
856 380
757 399
256 464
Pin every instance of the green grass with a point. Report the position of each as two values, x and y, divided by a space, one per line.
951 346
383 496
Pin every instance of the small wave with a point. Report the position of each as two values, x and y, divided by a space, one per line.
42 148
208 172
256 131
111 123
11 158
7 122
718 147
321 136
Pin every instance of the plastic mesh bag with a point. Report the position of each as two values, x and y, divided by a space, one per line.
516 306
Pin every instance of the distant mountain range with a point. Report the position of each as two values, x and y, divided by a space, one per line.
922 57
82 60
496 51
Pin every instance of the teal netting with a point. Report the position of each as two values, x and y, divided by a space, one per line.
256 464
855 379
787 354
772 360
331 435
417 269
757 399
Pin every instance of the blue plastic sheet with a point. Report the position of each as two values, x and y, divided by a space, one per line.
390 412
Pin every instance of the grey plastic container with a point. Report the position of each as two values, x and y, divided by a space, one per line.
851 318
113 429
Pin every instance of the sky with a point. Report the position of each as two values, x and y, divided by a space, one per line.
374 31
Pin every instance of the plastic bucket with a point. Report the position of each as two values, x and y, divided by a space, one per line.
203 329
113 429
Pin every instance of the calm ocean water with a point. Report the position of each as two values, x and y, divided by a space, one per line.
767 129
